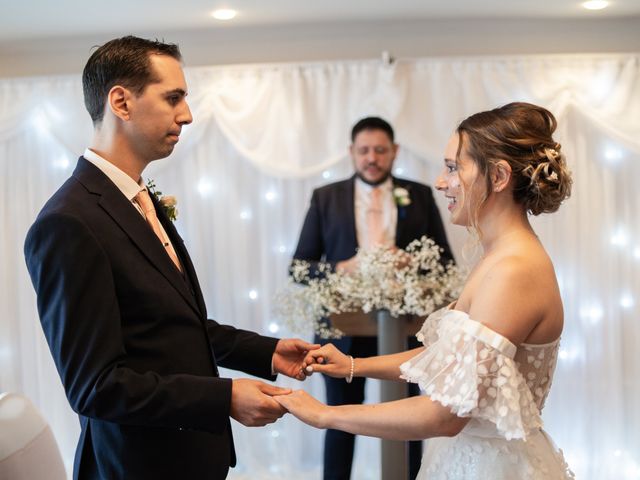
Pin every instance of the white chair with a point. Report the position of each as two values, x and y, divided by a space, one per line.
28 450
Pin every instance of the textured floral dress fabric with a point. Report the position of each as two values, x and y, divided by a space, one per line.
478 373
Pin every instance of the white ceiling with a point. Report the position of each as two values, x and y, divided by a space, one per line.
31 19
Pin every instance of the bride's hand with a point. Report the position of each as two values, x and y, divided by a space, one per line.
304 407
328 360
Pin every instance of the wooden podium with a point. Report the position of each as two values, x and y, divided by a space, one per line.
360 324
392 335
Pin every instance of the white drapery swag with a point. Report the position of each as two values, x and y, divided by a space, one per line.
263 136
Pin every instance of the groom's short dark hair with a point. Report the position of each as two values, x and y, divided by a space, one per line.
122 61
372 123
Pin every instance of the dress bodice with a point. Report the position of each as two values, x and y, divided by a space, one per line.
480 373
536 363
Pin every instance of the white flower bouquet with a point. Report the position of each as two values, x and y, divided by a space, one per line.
412 281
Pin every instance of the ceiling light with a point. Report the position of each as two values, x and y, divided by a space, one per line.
224 14
595 4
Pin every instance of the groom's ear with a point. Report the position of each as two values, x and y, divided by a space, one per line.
118 102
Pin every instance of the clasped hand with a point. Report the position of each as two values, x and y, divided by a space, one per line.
328 360
252 401
253 404
290 355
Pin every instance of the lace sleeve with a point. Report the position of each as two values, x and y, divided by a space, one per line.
470 368
428 333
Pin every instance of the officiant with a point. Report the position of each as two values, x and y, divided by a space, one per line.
370 209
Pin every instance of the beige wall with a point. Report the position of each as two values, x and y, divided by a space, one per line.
312 42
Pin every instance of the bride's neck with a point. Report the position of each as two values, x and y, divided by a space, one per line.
500 228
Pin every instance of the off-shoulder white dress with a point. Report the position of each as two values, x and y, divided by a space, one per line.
478 373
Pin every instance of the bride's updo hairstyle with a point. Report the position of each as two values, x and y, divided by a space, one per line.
520 134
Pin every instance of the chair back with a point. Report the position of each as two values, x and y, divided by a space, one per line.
28 449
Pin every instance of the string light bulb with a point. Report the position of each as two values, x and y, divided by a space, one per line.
626 301
205 187
595 4
224 14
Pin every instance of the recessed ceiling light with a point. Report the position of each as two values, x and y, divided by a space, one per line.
595 4
224 14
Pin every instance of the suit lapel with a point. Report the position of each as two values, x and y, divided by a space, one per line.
348 200
120 209
401 222
187 265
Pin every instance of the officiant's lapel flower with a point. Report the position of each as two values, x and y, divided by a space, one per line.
167 202
401 197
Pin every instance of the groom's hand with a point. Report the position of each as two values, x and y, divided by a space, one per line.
289 355
252 402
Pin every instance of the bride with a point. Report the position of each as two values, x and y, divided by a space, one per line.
488 359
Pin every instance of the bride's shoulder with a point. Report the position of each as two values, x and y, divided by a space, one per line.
492 274
512 266
507 279
524 262
506 297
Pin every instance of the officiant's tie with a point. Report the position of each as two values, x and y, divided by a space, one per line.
375 220
144 200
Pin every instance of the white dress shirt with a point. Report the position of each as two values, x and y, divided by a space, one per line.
129 187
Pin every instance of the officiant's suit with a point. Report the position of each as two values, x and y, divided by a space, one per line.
129 334
329 235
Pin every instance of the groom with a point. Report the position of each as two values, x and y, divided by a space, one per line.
119 299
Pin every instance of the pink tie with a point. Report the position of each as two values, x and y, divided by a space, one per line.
375 227
144 200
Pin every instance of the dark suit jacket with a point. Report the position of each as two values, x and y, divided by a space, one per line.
329 229
130 338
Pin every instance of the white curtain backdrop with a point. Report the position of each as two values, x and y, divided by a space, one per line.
264 135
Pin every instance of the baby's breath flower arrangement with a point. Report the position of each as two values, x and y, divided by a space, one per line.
411 281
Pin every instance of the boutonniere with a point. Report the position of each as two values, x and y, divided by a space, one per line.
167 202
401 196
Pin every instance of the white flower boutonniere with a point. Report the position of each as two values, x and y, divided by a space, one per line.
167 202
401 196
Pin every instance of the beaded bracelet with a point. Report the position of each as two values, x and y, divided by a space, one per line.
353 364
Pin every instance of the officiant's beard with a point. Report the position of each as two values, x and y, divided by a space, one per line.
374 183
